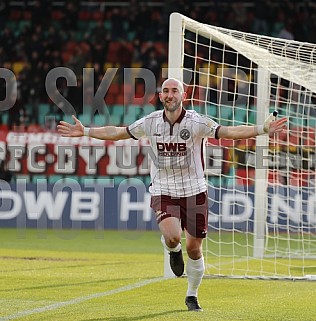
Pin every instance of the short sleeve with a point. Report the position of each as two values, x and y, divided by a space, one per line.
137 129
206 127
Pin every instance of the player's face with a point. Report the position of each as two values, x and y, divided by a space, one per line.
171 96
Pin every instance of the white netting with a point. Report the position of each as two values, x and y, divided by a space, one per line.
221 71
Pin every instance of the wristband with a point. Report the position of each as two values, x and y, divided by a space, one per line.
264 129
86 131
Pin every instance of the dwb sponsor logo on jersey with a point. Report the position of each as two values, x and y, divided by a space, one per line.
172 149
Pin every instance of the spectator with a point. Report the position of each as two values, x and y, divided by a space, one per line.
78 61
261 12
70 16
99 33
117 31
124 56
7 41
152 60
40 12
287 31
98 41
75 94
18 117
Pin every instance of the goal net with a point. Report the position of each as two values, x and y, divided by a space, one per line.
262 204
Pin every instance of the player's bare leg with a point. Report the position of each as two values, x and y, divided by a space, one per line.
171 239
195 271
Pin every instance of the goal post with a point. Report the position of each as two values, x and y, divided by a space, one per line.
262 204
260 195
175 62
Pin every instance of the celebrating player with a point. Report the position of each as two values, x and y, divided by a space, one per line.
178 187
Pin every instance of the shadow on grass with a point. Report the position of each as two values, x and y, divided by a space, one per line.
139 317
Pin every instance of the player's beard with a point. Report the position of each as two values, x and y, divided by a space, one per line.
172 105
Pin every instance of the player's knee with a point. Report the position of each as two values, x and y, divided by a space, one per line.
173 241
194 252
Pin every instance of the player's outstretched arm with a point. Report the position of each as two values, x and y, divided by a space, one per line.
270 126
106 133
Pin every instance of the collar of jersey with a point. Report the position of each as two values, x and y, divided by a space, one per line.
179 118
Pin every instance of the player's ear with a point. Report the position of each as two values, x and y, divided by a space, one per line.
184 96
160 95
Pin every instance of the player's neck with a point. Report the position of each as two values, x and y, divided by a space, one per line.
173 116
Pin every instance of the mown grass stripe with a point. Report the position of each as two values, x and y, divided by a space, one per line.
80 299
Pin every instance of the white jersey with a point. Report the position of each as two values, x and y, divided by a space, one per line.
177 151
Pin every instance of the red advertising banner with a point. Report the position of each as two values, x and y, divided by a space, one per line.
48 154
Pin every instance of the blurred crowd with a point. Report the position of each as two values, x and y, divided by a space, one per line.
37 36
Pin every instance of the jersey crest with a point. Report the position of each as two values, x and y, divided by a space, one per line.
185 134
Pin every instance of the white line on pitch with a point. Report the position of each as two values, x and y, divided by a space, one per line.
80 299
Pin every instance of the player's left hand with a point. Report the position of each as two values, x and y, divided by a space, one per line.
277 126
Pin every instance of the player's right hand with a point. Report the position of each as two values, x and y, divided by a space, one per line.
69 130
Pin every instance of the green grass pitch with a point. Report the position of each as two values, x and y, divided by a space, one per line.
114 275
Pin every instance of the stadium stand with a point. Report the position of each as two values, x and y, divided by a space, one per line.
36 36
